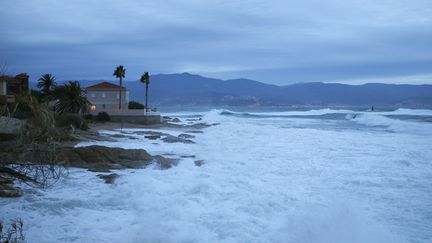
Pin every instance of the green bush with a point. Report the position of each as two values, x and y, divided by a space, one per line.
103 117
75 120
133 105
89 117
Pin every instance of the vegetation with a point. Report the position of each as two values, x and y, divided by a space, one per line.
71 98
47 85
103 117
145 78
13 234
133 105
38 140
120 73
89 117
40 126
72 120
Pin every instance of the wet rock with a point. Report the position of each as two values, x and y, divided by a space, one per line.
173 139
91 136
96 158
187 156
184 135
194 119
150 133
176 120
199 162
165 163
110 178
122 136
152 137
195 131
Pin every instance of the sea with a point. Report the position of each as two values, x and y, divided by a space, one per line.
323 175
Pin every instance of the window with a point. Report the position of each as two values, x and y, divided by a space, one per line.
118 96
103 106
103 95
93 95
93 107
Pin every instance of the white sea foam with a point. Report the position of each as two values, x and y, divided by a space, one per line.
263 180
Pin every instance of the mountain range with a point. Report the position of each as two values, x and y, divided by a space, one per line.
194 90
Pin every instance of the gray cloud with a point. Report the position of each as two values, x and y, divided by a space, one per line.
272 41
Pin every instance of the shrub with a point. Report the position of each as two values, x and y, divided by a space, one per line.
103 117
133 105
14 233
75 120
89 117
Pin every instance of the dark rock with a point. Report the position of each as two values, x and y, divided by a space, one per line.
169 154
194 119
97 158
172 139
187 156
184 135
195 131
175 120
110 178
199 162
165 163
150 133
152 137
103 170
122 136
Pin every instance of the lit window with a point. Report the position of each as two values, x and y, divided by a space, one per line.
93 107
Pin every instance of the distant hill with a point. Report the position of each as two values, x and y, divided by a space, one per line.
195 90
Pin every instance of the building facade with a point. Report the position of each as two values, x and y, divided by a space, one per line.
105 97
11 87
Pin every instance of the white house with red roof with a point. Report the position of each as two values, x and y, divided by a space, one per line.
105 97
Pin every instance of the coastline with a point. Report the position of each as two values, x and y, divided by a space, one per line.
95 158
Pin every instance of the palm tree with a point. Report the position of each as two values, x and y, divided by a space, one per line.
47 83
71 98
145 78
120 72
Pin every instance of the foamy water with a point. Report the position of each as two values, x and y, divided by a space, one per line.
267 177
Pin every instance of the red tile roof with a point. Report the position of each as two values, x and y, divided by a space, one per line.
104 86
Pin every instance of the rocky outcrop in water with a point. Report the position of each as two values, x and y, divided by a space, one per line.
95 157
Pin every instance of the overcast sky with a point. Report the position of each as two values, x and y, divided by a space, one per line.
273 41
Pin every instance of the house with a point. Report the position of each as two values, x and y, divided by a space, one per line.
105 97
11 86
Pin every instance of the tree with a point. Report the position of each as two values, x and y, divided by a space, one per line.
47 83
71 98
120 72
145 78
133 105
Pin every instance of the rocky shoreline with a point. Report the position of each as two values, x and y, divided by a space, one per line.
95 158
